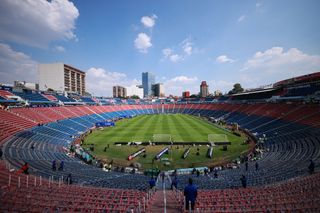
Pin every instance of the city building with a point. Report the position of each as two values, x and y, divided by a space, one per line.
148 79
135 90
217 93
61 77
119 92
158 90
27 85
186 94
204 89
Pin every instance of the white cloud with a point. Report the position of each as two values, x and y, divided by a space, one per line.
101 81
258 4
276 64
187 46
167 52
16 66
37 23
184 79
142 42
149 21
241 18
59 48
224 59
178 84
175 58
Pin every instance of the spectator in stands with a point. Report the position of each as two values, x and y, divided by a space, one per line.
162 176
54 166
152 183
194 171
243 180
174 182
1 153
198 173
311 166
206 172
61 166
69 179
190 193
25 169
215 174
257 166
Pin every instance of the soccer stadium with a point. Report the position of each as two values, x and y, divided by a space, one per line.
124 150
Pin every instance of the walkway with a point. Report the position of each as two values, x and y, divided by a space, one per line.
164 200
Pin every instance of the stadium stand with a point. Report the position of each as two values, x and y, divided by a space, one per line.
289 135
5 94
32 97
63 98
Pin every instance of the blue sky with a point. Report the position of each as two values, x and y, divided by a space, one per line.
182 42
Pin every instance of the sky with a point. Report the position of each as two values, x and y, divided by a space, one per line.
252 42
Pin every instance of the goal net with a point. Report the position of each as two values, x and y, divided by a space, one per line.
162 138
217 138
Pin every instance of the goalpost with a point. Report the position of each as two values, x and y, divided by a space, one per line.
162 138
217 138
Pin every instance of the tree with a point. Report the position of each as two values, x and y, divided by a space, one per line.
237 88
135 97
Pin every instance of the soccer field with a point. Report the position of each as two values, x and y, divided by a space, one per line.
182 128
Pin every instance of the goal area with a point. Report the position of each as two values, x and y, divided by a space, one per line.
162 138
217 138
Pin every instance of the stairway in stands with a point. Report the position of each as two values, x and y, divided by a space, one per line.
164 200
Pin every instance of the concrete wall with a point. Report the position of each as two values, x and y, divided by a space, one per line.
51 76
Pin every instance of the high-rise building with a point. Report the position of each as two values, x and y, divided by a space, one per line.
61 77
135 90
217 93
148 79
186 94
119 92
204 89
158 90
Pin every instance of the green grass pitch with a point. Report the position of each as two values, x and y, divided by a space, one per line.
182 127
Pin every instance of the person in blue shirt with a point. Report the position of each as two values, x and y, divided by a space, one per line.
152 183
61 166
174 183
54 166
190 192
